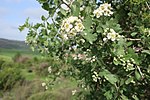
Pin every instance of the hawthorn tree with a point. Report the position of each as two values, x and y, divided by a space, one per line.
107 42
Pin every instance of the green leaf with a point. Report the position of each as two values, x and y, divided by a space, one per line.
87 22
63 12
89 36
45 6
37 26
43 18
146 51
137 75
88 10
116 62
108 95
75 8
120 47
42 1
46 43
99 29
124 97
133 34
109 76
32 48
25 25
112 23
129 80
135 97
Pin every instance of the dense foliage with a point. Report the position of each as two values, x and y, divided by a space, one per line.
9 75
106 41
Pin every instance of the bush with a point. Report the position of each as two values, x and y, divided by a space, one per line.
48 96
27 89
107 41
1 63
42 66
16 56
9 75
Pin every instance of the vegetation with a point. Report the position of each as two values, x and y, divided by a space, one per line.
105 42
21 79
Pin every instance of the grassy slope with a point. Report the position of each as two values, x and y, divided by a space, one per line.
61 86
61 89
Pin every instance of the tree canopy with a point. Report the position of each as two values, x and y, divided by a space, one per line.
107 42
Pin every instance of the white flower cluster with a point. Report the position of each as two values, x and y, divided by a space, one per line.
111 35
128 64
74 92
95 76
84 57
44 85
50 69
147 31
91 59
104 9
79 56
71 27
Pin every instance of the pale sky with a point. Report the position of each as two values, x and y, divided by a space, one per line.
14 13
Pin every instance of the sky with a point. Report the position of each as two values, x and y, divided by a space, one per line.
13 13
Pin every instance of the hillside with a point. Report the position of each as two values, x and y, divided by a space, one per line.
13 44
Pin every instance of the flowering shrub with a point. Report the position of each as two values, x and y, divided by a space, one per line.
104 9
107 43
71 27
110 34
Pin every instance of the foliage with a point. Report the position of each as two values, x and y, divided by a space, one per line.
107 43
48 96
9 75
16 56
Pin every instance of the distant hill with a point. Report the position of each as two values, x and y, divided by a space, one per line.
13 44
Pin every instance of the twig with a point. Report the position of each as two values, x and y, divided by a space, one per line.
55 28
148 6
130 39
66 4
140 71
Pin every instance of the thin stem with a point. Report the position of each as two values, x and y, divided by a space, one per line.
66 4
130 39
55 27
147 5
139 71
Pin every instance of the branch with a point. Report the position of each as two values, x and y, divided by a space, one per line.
147 5
55 28
130 39
66 4
140 71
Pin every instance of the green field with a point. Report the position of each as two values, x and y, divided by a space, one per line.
22 80
12 52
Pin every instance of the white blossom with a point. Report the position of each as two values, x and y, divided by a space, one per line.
104 9
104 39
71 26
82 40
98 13
49 69
95 76
111 35
46 87
79 27
65 37
43 84
73 92
72 19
